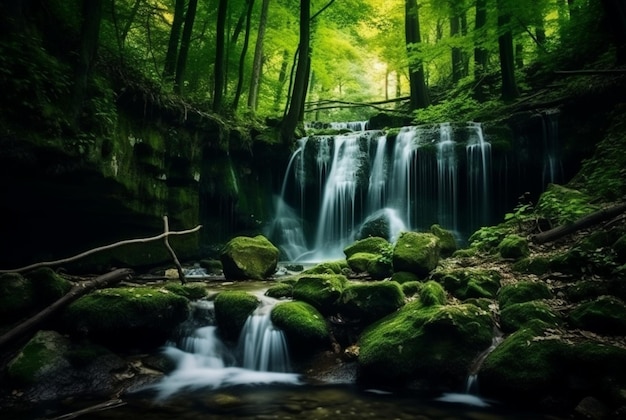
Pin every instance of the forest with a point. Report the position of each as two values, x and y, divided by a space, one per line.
314 208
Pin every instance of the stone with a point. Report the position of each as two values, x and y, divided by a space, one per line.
249 258
605 315
370 301
232 309
513 246
320 290
416 253
523 291
304 326
516 315
447 243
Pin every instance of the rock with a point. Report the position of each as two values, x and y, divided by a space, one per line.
304 326
532 265
436 344
41 356
232 309
329 267
515 316
211 266
416 252
375 265
320 290
513 246
411 288
431 293
523 291
383 224
447 243
16 296
249 258
591 408
127 317
404 277
280 290
605 315
469 283
370 301
48 286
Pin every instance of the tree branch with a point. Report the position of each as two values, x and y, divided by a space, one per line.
166 229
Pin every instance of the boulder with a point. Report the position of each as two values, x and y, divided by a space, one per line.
416 252
48 286
328 267
244 257
371 245
436 344
376 265
280 291
431 293
514 246
232 309
305 328
370 301
126 317
320 290
605 315
523 291
404 277
447 243
469 283
516 315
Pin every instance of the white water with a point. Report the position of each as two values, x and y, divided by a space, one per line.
203 360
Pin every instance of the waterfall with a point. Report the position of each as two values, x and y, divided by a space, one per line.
552 167
478 153
447 178
203 360
376 190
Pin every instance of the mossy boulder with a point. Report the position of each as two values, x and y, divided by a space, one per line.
605 315
469 283
42 355
447 243
320 290
370 301
513 246
516 315
16 296
416 252
532 265
244 257
191 291
280 291
304 326
48 286
232 309
374 264
372 245
593 253
411 288
404 277
127 317
432 293
523 291
587 290
328 267
436 344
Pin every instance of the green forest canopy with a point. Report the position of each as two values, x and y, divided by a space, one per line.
239 57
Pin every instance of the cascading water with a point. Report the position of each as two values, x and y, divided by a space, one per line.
478 153
447 211
552 166
203 360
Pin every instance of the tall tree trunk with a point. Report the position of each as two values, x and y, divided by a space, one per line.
257 62
169 69
507 55
480 53
282 78
419 92
90 31
218 92
242 57
298 95
398 84
181 64
130 20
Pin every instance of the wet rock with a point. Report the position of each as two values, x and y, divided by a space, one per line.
370 301
447 243
591 408
416 253
232 309
320 290
467 283
305 328
249 258
16 296
516 315
280 290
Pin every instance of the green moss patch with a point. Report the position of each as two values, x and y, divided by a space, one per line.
370 301
321 290
304 326
232 309
416 253
605 315
513 246
523 291
280 290
516 315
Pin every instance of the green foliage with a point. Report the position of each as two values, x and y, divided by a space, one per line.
561 205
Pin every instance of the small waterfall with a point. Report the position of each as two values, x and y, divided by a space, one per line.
478 153
376 190
447 212
552 165
351 125
203 360
400 181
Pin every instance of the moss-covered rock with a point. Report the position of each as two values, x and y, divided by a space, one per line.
375 264
605 315
127 317
320 290
432 293
532 265
411 288
513 246
416 252
436 344
447 243
191 291
48 286
328 267
515 316
42 355
468 283
232 309
587 290
404 277
371 245
16 296
305 328
370 301
280 290
523 291
249 258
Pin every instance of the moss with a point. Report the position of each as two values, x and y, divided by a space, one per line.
83 354
447 243
359 262
372 245
465 253
432 293
411 288
513 246
404 276
416 252
605 315
586 290
44 352
370 301
467 283
16 296
328 267
127 316
48 286
249 258
516 315
280 290
305 328
191 291
524 291
532 265
232 309
488 238
320 290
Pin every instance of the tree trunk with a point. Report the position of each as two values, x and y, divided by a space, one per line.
169 69
130 21
298 96
90 31
507 55
480 53
218 91
181 64
282 78
417 83
242 57
257 62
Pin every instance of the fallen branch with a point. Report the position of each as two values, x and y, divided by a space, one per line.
102 248
75 292
591 219
181 273
94 408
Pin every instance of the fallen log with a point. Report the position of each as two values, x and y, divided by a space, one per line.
75 292
586 221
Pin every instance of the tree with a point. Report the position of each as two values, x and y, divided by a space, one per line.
257 62
480 52
169 69
220 65
181 63
242 57
507 53
418 90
